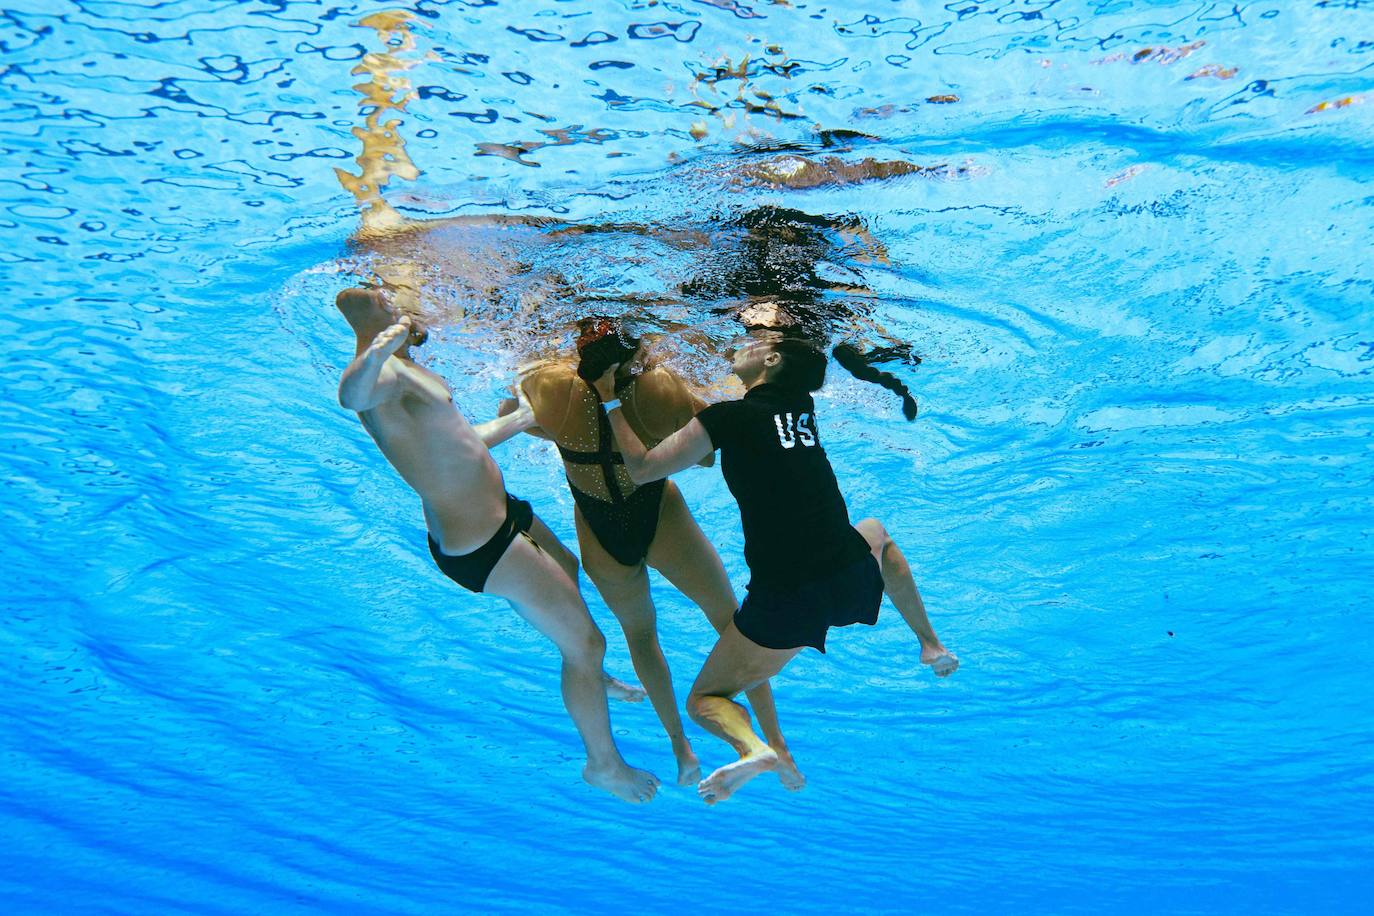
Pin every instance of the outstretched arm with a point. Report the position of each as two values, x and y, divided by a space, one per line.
510 405
368 381
681 450
494 432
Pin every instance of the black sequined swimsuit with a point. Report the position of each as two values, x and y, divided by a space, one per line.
625 525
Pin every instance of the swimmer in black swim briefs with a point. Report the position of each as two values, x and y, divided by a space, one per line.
472 569
810 569
409 412
623 527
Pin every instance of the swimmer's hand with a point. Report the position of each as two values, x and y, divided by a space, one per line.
512 418
369 381
521 413
605 386
523 410
942 661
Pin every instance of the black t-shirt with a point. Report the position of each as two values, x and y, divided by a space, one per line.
796 525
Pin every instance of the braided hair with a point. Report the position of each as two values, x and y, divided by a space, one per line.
860 365
776 260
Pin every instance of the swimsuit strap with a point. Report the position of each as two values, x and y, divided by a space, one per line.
575 457
605 454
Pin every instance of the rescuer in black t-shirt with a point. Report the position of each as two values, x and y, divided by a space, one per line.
810 569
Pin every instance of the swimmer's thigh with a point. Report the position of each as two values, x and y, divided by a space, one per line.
541 592
550 544
682 553
737 664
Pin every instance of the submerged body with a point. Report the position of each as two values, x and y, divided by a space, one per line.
810 568
624 527
479 535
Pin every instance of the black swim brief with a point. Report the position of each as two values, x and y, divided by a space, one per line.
472 569
627 527
800 615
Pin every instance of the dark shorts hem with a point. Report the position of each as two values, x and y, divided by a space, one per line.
471 570
796 616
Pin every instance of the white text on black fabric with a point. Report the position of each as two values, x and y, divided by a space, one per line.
803 429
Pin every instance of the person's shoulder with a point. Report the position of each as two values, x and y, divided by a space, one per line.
720 419
548 379
723 408
551 388
660 386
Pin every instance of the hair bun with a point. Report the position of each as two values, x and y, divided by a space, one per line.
602 354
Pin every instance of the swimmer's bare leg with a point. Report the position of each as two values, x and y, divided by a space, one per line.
540 591
734 664
625 590
616 689
901 588
682 553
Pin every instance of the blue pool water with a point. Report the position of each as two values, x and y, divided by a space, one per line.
1138 498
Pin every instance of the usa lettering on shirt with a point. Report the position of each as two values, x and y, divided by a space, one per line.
790 432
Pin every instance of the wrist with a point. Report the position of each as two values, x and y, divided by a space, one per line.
612 404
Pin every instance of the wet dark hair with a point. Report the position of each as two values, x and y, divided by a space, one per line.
802 366
601 343
776 257
860 366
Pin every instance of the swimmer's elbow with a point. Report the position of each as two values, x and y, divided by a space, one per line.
350 399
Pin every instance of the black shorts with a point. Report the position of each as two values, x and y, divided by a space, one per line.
800 615
472 569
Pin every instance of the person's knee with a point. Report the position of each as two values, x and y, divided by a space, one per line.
585 646
641 631
876 534
593 643
697 704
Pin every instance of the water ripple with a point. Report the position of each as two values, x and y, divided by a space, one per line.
1125 241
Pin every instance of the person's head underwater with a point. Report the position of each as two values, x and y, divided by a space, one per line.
805 342
768 278
773 357
602 343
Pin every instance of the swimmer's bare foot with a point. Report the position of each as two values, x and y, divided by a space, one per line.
725 781
791 778
623 781
617 689
688 766
942 661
